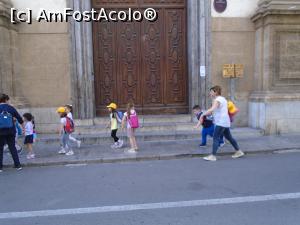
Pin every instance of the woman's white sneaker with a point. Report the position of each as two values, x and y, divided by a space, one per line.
238 154
210 158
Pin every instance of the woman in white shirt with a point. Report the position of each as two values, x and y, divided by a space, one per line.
222 122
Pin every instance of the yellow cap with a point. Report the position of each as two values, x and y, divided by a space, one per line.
112 105
61 110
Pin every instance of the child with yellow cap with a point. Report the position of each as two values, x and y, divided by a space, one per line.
65 130
113 124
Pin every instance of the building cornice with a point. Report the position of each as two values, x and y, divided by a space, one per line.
5 6
5 17
276 7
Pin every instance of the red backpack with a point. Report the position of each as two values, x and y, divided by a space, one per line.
69 127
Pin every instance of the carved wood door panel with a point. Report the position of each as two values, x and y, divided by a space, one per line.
153 62
175 63
128 67
105 61
143 61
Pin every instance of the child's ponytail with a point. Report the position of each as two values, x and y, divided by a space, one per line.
70 107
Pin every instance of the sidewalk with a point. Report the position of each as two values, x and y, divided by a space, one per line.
46 154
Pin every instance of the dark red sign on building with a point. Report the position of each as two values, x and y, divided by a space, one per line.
220 5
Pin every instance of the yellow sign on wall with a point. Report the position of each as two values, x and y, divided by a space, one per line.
239 70
233 70
228 70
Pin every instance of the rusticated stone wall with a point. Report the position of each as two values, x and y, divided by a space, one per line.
275 101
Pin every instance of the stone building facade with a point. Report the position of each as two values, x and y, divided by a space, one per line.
45 65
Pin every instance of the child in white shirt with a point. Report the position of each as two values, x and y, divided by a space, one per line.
27 117
64 133
69 110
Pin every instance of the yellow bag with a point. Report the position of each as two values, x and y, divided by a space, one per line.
232 110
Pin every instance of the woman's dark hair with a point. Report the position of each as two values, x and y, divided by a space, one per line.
217 89
4 98
28 116
70 107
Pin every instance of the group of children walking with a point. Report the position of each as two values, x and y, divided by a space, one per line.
128 119
117 119
221 109
67 127
65 130
216 122
205 119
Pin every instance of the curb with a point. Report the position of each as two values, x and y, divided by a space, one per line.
133 158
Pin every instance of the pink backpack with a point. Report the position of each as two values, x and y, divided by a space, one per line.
134 121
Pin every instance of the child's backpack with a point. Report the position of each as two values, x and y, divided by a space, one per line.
120 116
6 120
134 121
232 110
69 127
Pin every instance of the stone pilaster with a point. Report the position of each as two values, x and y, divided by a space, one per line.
198 16
6 77
82 73
277 67
9 55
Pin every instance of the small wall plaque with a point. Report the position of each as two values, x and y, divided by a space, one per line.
239 70
233 70
220 5
228 70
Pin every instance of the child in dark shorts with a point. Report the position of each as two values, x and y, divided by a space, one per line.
27 117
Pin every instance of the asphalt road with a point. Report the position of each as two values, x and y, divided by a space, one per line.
258 189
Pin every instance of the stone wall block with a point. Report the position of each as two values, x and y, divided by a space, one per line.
278 50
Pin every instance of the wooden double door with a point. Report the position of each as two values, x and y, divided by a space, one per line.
142 61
